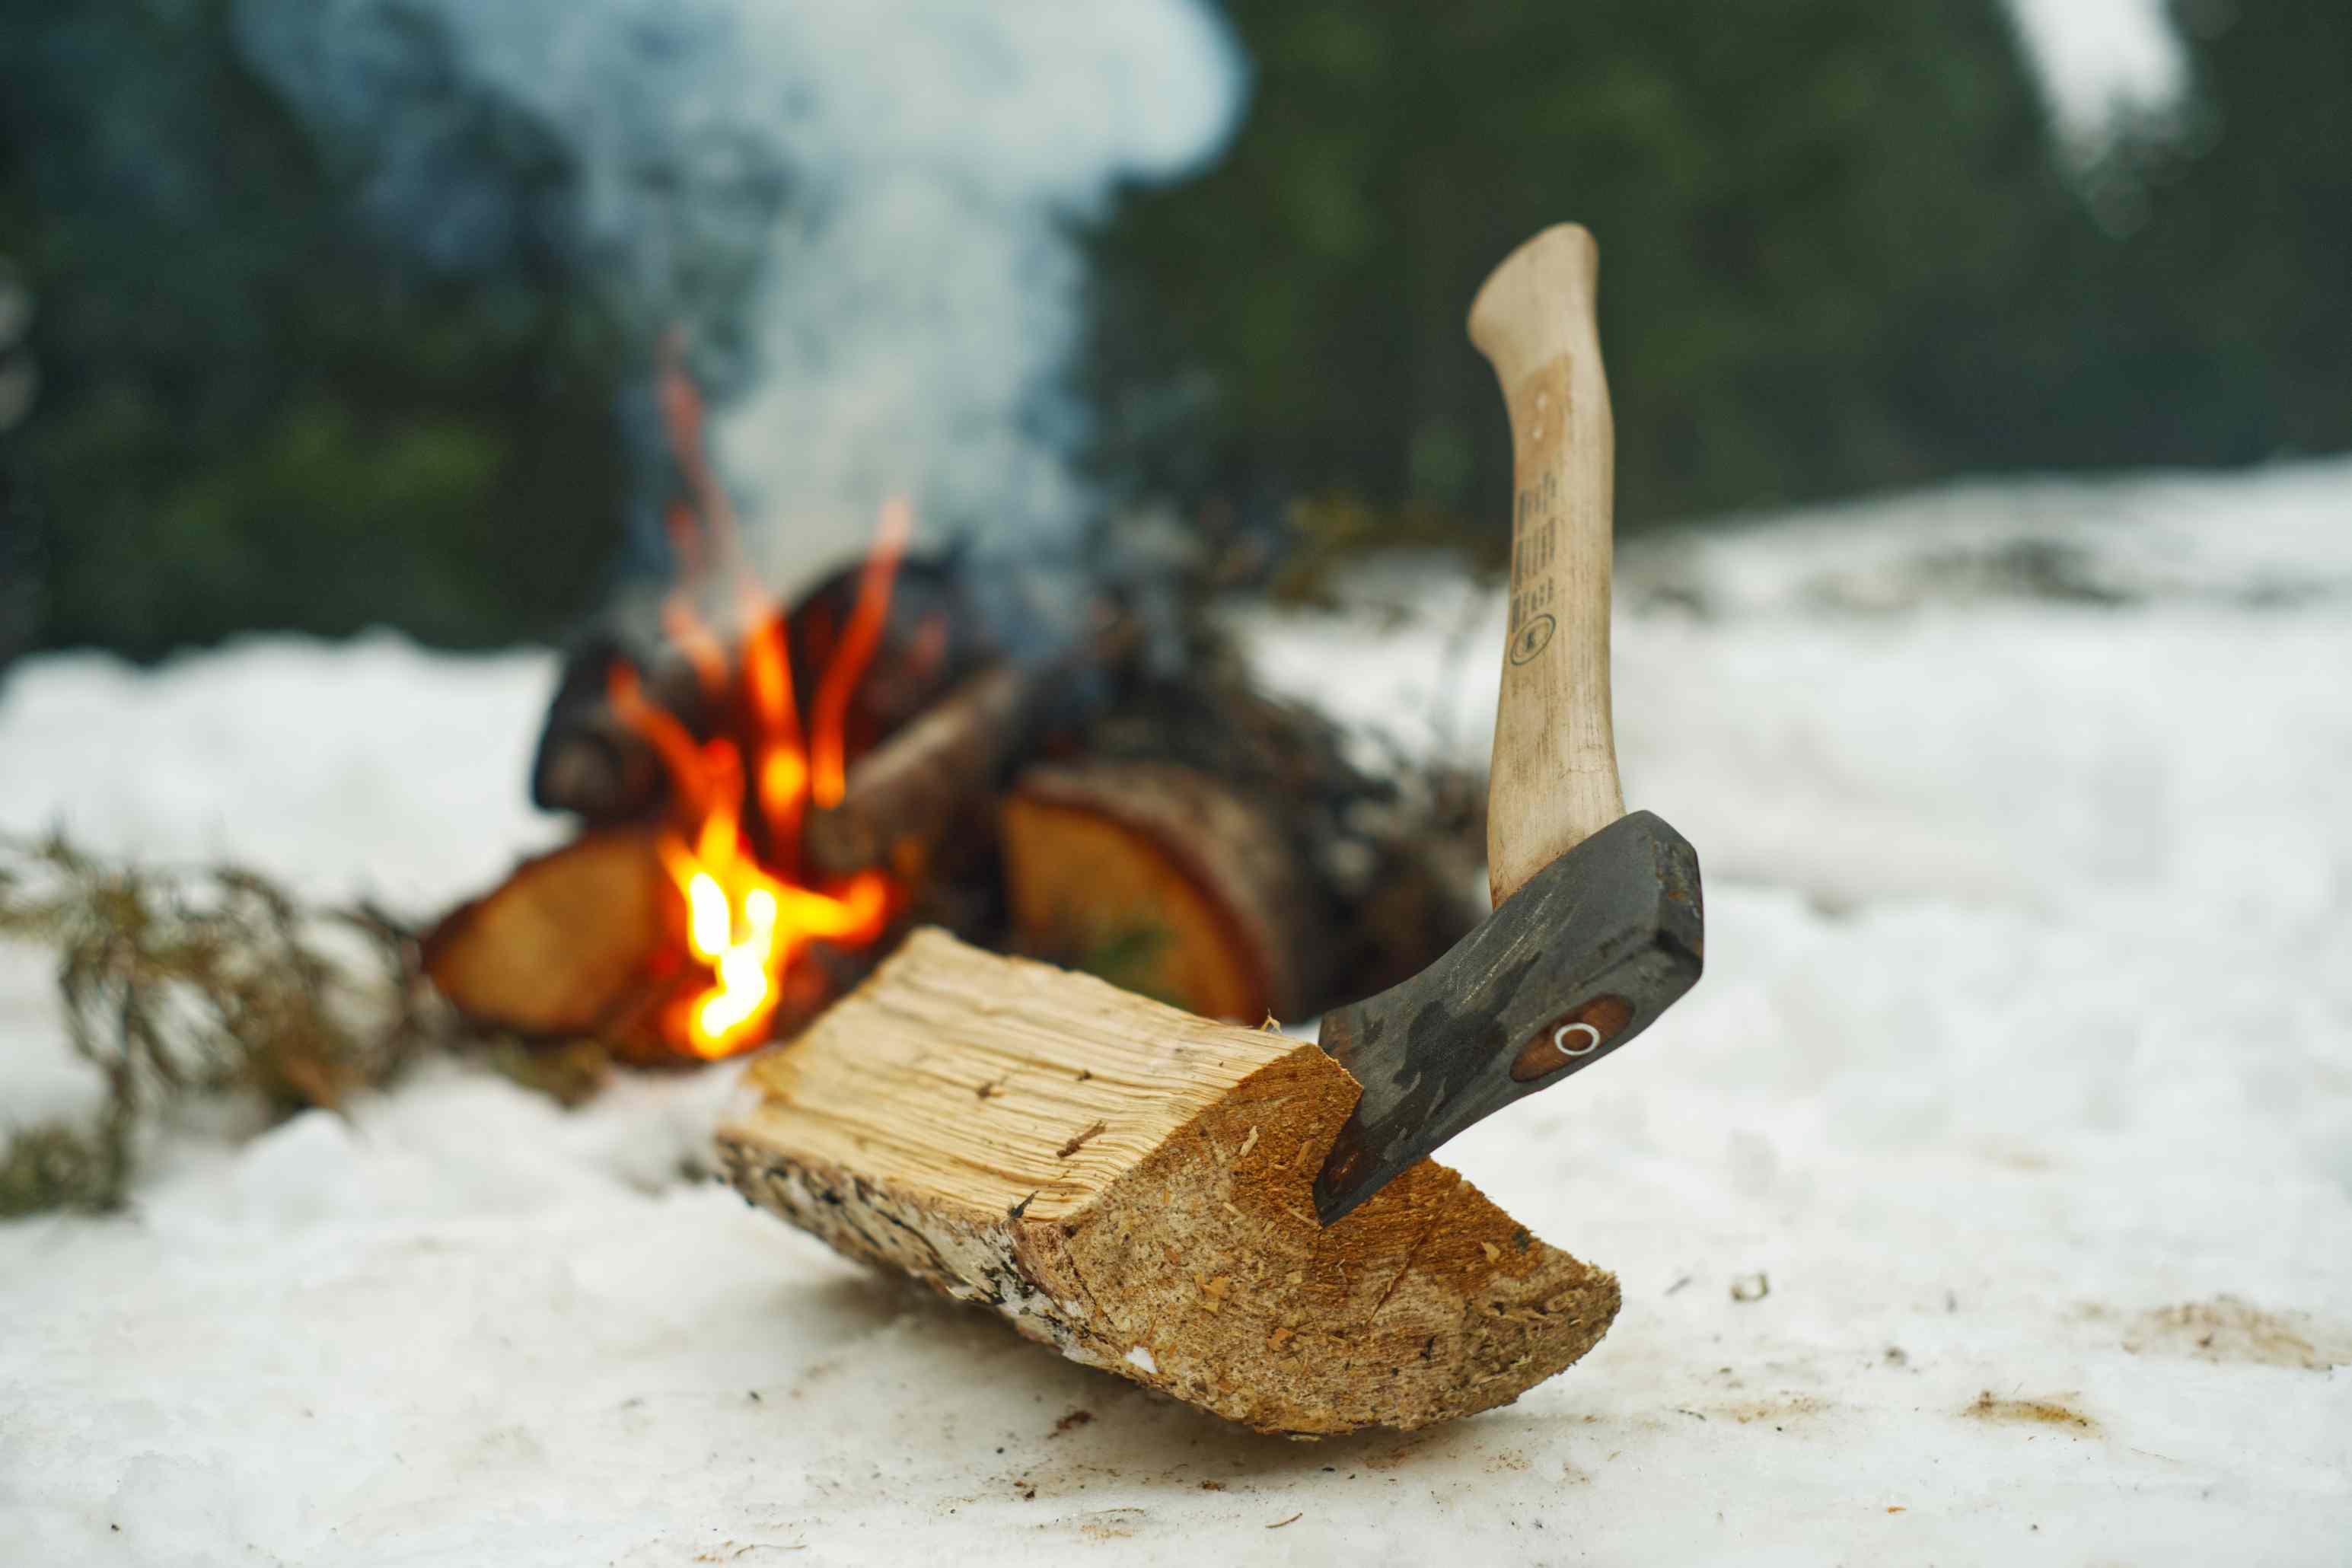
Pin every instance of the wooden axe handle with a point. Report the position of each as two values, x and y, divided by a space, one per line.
1554 780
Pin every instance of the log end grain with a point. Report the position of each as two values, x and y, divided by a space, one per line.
1164 879
563 943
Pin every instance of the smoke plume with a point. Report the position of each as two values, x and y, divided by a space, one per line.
861 209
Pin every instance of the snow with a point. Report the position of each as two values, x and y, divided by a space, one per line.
2017 1104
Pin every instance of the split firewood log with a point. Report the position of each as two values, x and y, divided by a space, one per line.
564 946
1132 1185
1166 881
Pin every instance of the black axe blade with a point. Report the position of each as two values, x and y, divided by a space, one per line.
1578 962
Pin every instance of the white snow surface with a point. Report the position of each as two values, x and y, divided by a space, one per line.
1989 1200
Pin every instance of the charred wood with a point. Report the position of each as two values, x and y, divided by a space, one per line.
903 798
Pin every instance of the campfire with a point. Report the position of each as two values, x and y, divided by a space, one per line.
732 847
772 796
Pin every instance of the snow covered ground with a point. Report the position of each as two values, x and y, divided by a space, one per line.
1991 1199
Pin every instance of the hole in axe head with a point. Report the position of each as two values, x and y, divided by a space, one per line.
1572 1037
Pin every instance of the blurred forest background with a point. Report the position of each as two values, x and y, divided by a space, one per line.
1845 247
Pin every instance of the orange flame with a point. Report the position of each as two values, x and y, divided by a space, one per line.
747 921
683 419
747 924
669 738
826 763
685 628
783 769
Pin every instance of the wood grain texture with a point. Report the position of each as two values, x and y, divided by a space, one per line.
1132 1185
1554 776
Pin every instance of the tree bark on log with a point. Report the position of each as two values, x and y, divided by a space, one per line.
1131 1185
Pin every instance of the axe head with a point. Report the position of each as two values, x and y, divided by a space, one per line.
1582 958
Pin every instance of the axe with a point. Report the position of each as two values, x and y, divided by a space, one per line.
1597 925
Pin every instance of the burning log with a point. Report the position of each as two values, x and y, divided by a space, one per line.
900 800
1133 1186
944 769
567 945
590 940
739 931
593 763
1166 881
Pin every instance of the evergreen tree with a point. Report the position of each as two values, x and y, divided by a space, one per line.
257 410
1804 207
2239 277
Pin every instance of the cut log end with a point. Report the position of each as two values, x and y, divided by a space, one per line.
1162 878
1132 1185
563 944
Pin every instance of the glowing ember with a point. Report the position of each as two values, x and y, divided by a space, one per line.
747 916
